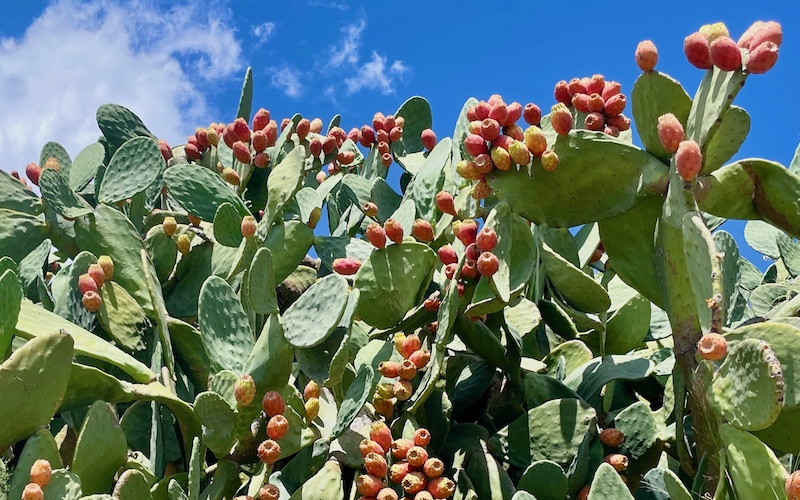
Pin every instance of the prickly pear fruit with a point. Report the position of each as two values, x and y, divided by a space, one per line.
688 160
535 140
407 369
620 122
52 164
367 136
376 235
697 51
488 263
417 456
725 54
389 369
615 105
762 58
370 209
375 464
396 134
260 119
244 390
33 171
320 177
583 493
398 471
486 239
768 32
467 232
610 89
420 358
277 427
394 231
381 434
617 460
714 31
501 158
269 492
91 301
260 142
433 468
400 447
561 119
549 161
269 451
447 254
581 102
386 159
387 494
596 103
41 471
272 403
612 437
441 487
490 129
346 157
475 144
32 491
97 274
346 266
576 86
515 132
499 113
594 121
483 164
248 226
428 139
793 486
532 114
670 132
410 345
519 153
646 55
169 226
107 265
561 92
261 160
445 203
368 485
241 130
184 244
422 230
87 284
712 347
230 175
472 252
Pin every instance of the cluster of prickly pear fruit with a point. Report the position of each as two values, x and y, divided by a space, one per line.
402 373
89 284
600 101
713 46
385 130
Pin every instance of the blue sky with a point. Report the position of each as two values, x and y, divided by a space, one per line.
179 64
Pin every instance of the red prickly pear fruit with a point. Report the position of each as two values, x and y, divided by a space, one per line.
481 190
40 472
442 487
503 142
370 209
468 169
586 81
561 92
400 447
688 160
428 139
346 266
230 176
315 126
417 456
314 146
394 231
202 138
241 130
410 345
260 119
422 230
107 264
697 51
376 464
484 165
381 434
486 239
433 468
646 55
610 89
303 128
241 152
617 460
166 151
386 159
311 408
670 132
770 31
472 115
501 158
193 141
32 491
269 492
467 232
97 274
450 270
378 121
387 494
515 132
519 153
445 203
271 131
793 485
535 140
396 134
612 437
277 427
269 451
495 99
367 136
389 123
447 254
490 130
368 446
615 105
725 54
321 176
549 161
354 134
228 136
482 110
192 152
514 113
184 244
194 220
561 119
248 226
33 171
499 113
383 147
398 471
272 403
420 359
488 263
346 157
621 122
596 103
244 390
469 270
339 134
581 102
583 493
376 235
762 58
596 85
414 482
747 37
213 136
91 301
388 369
52 164
576 86
422 436
594 121
408 370
328 145
472 252
475 144
87 284
532 114
712 347
259 141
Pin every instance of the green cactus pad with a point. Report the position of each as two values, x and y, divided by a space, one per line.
748 389
10 304
132 485
588 379
20 233
356 188
627 327
190 352
134 167
119 124
391 282
163 252
66 295
357 395
489 478
41 368
727 141
261 283
302 323
59 196
385 198
288 244
459 134
175 491
101 449
228 225
544 479
428 180
530 436
283 182
569 196
763 238
122 318
324 485
639 426
200 191
608 484
85 166
515 245
579 289
63 485
309 205
246 97
226 331
40 445
655 94
218 419
751 465
15 196
270 361
417 113
57 151
712 100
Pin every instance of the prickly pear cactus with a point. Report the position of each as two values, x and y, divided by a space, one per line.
546 310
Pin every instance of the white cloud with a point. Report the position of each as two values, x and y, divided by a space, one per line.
329 5
347 51
287 78
263 32
374 74
78 55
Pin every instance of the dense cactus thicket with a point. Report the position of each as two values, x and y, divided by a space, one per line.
537 311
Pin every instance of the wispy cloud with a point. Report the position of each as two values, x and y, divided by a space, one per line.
263 32
80 54
329 5
347 50
288 79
